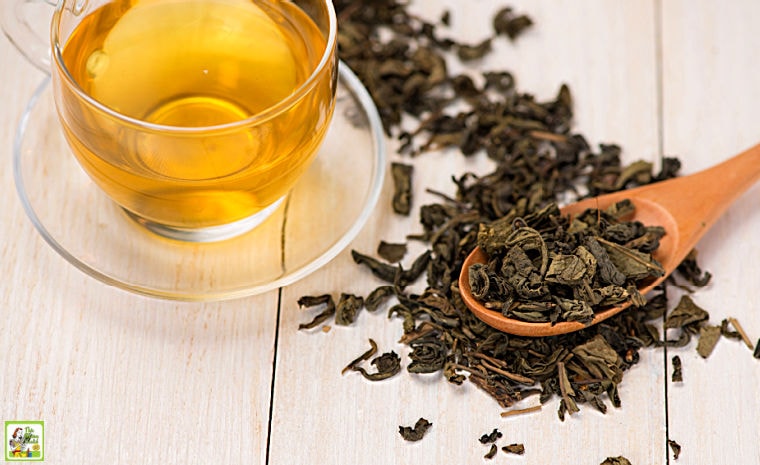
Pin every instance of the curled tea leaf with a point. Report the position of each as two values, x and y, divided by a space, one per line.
347 308
313 301
417 432
377 297
386 365
506 22
365 356
491 437
428 355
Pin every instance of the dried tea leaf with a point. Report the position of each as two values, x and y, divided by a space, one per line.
708 339
616 461
365 356
386 365
518 449
691 271
467 52
600 359
348 306
677 376
428 355
491 452
756 353
379 296
402 187
384 271
675 447
686 313
506 22
391 252
491 437
313 301
417 432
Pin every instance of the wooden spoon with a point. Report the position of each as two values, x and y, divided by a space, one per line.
685 206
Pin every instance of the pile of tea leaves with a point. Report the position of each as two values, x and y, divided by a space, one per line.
538 160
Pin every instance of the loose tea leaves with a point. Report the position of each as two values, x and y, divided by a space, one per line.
537 160
417 432
491 452
547 267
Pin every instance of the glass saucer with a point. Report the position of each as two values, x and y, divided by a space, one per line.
319 217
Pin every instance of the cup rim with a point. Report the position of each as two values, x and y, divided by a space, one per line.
328 55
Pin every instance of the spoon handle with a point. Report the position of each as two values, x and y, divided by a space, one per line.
698 200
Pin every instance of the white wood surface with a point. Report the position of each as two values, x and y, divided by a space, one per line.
124 379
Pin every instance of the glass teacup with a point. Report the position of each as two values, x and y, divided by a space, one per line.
195 116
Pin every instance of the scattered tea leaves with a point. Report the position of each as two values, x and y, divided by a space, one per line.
675 447
417 432
677 376
537 160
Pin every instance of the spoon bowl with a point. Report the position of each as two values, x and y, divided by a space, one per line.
685 206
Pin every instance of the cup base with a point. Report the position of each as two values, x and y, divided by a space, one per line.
209 234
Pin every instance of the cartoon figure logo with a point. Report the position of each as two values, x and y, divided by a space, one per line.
24 441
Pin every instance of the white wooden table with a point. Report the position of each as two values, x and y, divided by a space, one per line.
120 378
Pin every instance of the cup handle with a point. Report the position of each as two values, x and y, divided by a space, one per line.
22 35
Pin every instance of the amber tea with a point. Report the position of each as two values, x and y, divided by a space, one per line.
221 109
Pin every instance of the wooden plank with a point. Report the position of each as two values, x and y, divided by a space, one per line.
710 106
606 52
119 378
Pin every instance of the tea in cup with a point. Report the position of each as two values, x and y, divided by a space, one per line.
195 116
